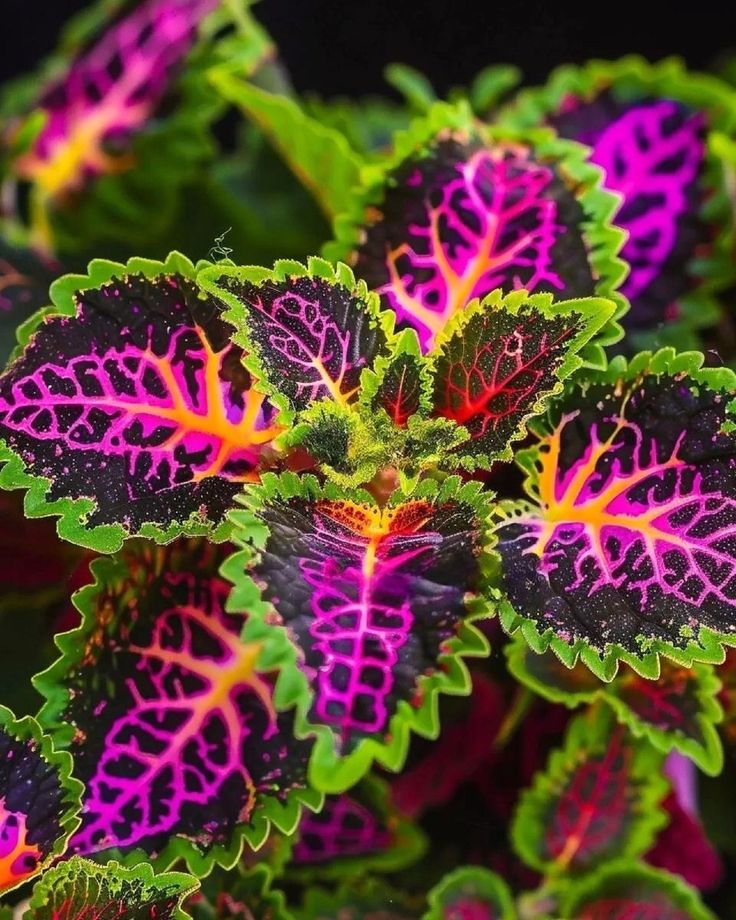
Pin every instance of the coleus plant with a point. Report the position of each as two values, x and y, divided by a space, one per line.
354 533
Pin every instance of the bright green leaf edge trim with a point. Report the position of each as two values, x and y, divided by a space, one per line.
71 870
622 871
50 684
597 312
407 846
405 343
603 240
706 753
26 730
632 77
319 156
485 886
328 771
586 732
708 645
105 538
236 312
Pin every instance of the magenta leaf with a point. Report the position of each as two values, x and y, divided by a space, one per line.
171 722
311 331
653 154
39 801
371 599
461 211
132 407
356 831
630 545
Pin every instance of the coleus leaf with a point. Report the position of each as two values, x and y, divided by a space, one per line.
129 410
109 92
628 548
170 716
80 889
238 895
319 155
39 800
373 604
677 711
471 892
626 889
460 210
597 799
309 332
648 129
499 361
402 384
355 832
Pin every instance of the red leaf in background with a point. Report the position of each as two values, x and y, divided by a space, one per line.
683 848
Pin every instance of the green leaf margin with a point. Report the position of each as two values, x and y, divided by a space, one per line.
329 771
603 240
707 646
50 684
633 77
585 732
28 730
708 754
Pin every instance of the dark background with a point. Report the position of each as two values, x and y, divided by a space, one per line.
341 46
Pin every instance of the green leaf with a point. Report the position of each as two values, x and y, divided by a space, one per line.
626 889
39 800
626 550
597 799
498 362
319 155
80 888
471 892
416 89
679 710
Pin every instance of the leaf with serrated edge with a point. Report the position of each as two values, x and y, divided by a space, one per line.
625 889
627 550
309 331
80 888
471 892
129 411
158 679
597 798
497 363
310 549
39 800
677 711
